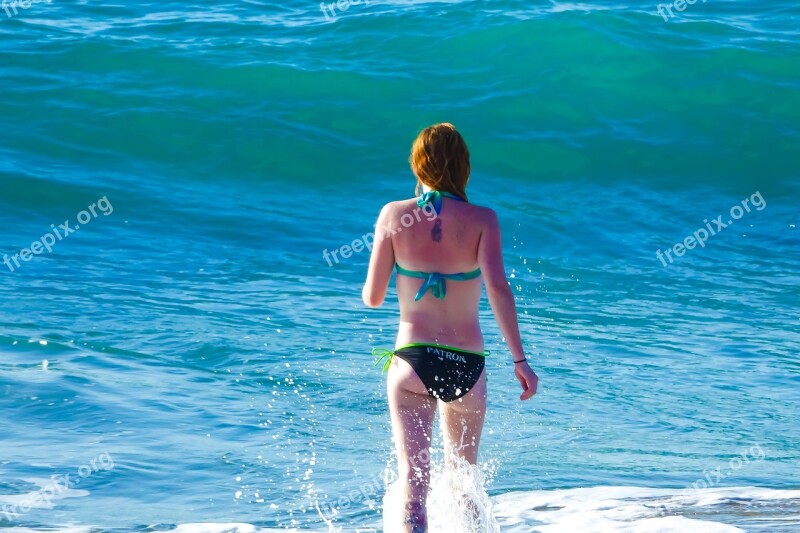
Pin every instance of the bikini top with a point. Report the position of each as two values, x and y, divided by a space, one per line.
434 280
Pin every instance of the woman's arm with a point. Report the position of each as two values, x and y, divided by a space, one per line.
381 262
490 259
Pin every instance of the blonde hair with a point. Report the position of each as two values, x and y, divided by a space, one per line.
440 159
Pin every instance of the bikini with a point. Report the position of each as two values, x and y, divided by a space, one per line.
448 373
434 280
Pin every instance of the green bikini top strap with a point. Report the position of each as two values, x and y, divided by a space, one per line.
435 198
435 281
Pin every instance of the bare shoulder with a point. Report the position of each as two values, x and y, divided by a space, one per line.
486 215
389 208
398 207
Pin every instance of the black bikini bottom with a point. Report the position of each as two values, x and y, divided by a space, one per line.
446 372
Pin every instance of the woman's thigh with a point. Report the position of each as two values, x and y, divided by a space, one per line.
412 412
462 422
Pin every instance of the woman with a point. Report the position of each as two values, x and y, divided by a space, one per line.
439 355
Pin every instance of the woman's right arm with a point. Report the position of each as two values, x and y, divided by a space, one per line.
490 260
381 262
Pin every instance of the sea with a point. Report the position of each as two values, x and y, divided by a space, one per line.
178 352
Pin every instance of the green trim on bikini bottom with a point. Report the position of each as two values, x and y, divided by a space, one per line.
382 355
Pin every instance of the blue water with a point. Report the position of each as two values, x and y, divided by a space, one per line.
191 361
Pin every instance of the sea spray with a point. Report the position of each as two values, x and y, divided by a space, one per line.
457 500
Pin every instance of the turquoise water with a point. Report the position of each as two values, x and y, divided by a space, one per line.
191 361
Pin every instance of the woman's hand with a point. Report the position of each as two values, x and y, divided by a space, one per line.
527 378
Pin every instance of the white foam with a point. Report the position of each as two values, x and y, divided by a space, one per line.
216 528
199 527
624 509
232 527
589 510
62 529
457 501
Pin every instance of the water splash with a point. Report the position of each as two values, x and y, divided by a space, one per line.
457 500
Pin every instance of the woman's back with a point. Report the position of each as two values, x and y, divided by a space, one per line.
447 244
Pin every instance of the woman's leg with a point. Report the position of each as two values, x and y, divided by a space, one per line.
462 423
412 424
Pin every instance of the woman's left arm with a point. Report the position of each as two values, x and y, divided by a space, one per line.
381 262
